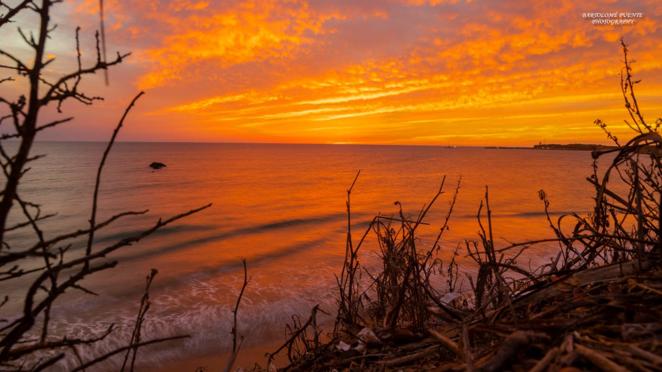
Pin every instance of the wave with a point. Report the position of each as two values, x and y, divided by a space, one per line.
164 231
224 235
207 321
235 265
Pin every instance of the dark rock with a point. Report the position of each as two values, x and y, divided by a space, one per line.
157 165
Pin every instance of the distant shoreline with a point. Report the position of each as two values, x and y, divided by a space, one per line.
554 146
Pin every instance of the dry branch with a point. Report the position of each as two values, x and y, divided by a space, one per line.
26 340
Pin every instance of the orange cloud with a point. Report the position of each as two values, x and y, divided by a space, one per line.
252 31
397 71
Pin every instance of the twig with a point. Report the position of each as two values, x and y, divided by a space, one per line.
97 183
236 346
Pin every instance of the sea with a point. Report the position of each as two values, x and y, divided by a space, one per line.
283 209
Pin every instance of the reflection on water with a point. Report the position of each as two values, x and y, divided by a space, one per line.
282 208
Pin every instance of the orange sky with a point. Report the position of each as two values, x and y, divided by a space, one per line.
355 71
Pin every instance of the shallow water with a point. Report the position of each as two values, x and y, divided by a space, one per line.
282 207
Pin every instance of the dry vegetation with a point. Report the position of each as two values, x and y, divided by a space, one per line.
596 304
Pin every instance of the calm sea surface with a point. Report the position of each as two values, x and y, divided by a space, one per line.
282 207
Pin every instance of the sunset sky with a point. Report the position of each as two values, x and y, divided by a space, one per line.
446 72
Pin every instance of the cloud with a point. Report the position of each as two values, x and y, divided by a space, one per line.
388 71
248 32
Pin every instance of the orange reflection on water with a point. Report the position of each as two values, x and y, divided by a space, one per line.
282 207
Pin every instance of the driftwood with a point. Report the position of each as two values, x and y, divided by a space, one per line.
542 364
511 345
598 359
447 342
409 358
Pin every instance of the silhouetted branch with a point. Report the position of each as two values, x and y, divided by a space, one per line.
26 342
97 183
142 312
237 345
120 350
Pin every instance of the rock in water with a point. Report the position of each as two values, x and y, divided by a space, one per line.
157 165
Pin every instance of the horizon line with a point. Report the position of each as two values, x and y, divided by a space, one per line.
308 143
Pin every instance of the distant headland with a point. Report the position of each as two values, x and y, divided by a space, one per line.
555 146
572 146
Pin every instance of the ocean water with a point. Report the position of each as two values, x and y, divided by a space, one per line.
282 208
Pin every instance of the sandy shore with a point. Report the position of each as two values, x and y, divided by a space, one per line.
217 362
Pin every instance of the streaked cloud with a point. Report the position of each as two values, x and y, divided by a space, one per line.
395 71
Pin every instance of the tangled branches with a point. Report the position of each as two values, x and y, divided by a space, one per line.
50 264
